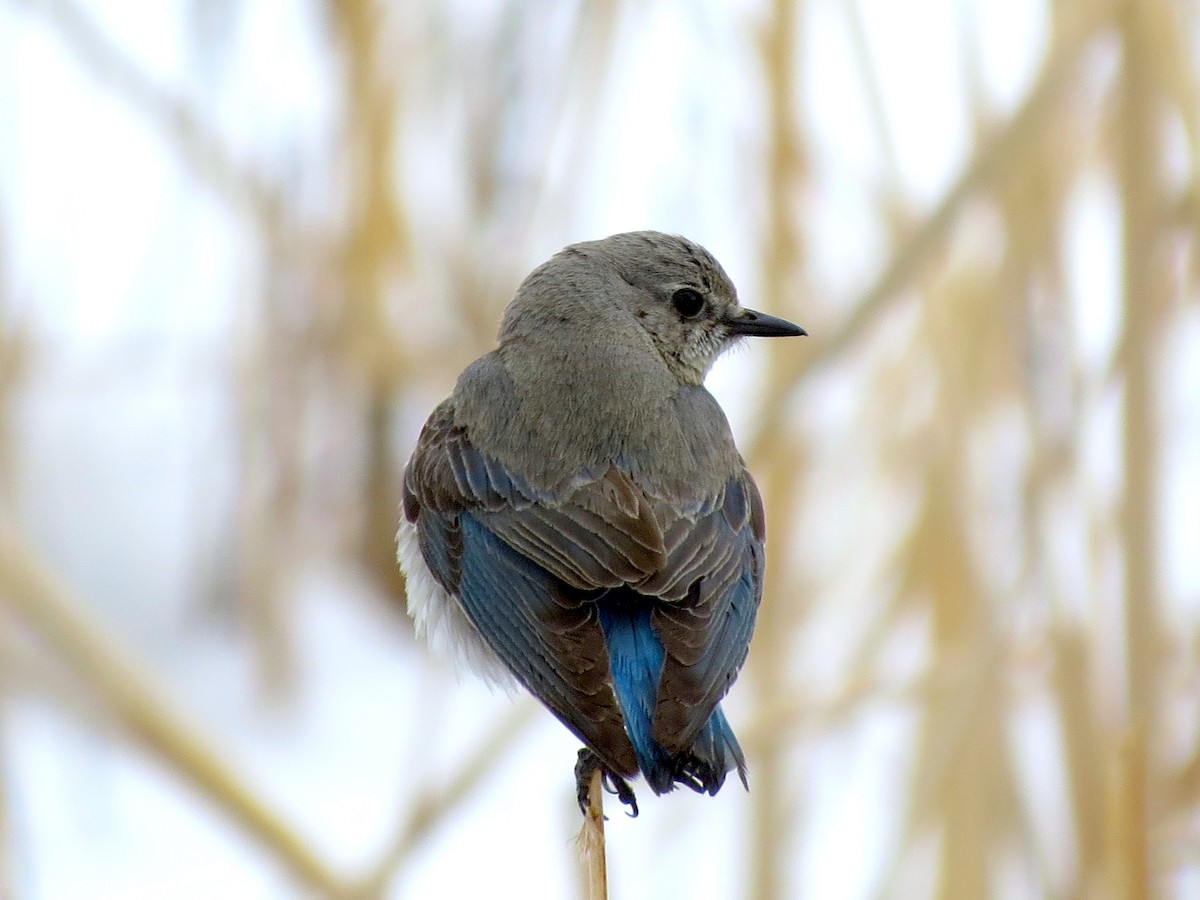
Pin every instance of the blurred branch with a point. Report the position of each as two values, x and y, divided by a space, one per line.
1138 154
1143 205
30 592
1082 734
437 803
771 828
956 692
374 246
15 359
876 108
916 251
1128 850
792 711
7 875
174 118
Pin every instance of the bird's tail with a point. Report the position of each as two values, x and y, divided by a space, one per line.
717 751
636 657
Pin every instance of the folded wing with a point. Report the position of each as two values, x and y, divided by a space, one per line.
529 569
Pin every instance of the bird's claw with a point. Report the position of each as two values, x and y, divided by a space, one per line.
588 763
694 773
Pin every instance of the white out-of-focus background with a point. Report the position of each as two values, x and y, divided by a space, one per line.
246 246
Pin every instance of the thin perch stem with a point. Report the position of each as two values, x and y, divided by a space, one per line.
591 839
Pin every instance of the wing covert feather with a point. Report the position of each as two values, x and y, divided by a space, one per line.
527 568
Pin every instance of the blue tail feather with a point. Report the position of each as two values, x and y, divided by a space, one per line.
715 740
636 658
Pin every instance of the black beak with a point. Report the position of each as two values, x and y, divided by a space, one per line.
756 324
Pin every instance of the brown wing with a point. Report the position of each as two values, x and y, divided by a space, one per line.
717 558
542 626
528 567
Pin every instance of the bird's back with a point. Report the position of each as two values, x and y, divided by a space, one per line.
618 574
560 419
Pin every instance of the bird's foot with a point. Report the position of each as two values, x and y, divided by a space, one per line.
695 773
585 766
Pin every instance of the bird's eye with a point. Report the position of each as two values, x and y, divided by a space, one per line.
687 302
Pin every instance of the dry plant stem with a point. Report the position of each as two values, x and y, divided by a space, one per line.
1143 213
591 839
433 807
29 591
1128 856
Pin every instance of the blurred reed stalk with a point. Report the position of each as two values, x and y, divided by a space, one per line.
780 464
1138 162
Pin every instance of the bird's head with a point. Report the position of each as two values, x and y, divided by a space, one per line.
684 300
674 290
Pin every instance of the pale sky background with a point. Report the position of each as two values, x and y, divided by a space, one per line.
132 280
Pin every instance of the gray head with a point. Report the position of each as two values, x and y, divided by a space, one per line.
664 287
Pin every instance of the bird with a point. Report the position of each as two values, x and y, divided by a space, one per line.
577 519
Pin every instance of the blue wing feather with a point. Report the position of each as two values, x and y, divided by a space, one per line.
547 634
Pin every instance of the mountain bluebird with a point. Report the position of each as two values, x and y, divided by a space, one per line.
576 514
